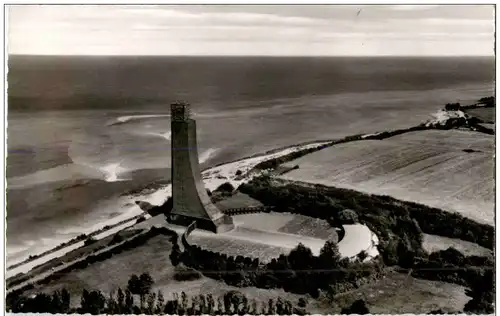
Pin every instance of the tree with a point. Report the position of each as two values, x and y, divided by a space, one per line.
202 304
487 101
84 298
145 283
171 308
140 220
129 301
330 255
133 284
301 307
210 304
93 302
41 303
56 303
280 306
228 303
175 255
288 307
160 305
225 187
151 303
111 304
89 241
358 307
482 291
300 258
65 300
243 307
120 300
142 303
184 303
194 304
254 309
362 255
271 310
220 306
452 107
348 216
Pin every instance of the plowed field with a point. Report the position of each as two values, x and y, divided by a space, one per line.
428 167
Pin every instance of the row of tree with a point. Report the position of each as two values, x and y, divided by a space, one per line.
299 272
131 243
398 225
486 102
475 272
385 213
124 302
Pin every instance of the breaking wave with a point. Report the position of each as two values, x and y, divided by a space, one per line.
112 171
207 155
128 118
166 135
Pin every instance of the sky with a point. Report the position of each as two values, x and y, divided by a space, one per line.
276 30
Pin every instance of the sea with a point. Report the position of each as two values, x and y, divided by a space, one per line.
85 134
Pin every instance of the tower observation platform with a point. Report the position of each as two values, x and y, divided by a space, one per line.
189 196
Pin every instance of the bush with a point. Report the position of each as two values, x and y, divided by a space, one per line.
183 273
358 307
348 217
452 107
89 241
225 187
487 101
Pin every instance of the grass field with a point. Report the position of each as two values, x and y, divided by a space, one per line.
152 257
67 257
238 200
267 235
311 227
390 295
433 243
238 247
428 167
112 273
485 114
401 294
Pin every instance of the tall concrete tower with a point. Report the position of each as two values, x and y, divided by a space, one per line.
190 199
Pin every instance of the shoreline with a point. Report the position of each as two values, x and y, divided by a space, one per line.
156 188
212 178
72 241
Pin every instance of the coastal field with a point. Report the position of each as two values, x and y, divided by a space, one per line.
448 169
485 114
398 293
153 258
433 243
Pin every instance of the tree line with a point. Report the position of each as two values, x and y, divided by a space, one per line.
298 272
131 243
398 225
151 302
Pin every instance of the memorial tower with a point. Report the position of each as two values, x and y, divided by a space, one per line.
189 196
